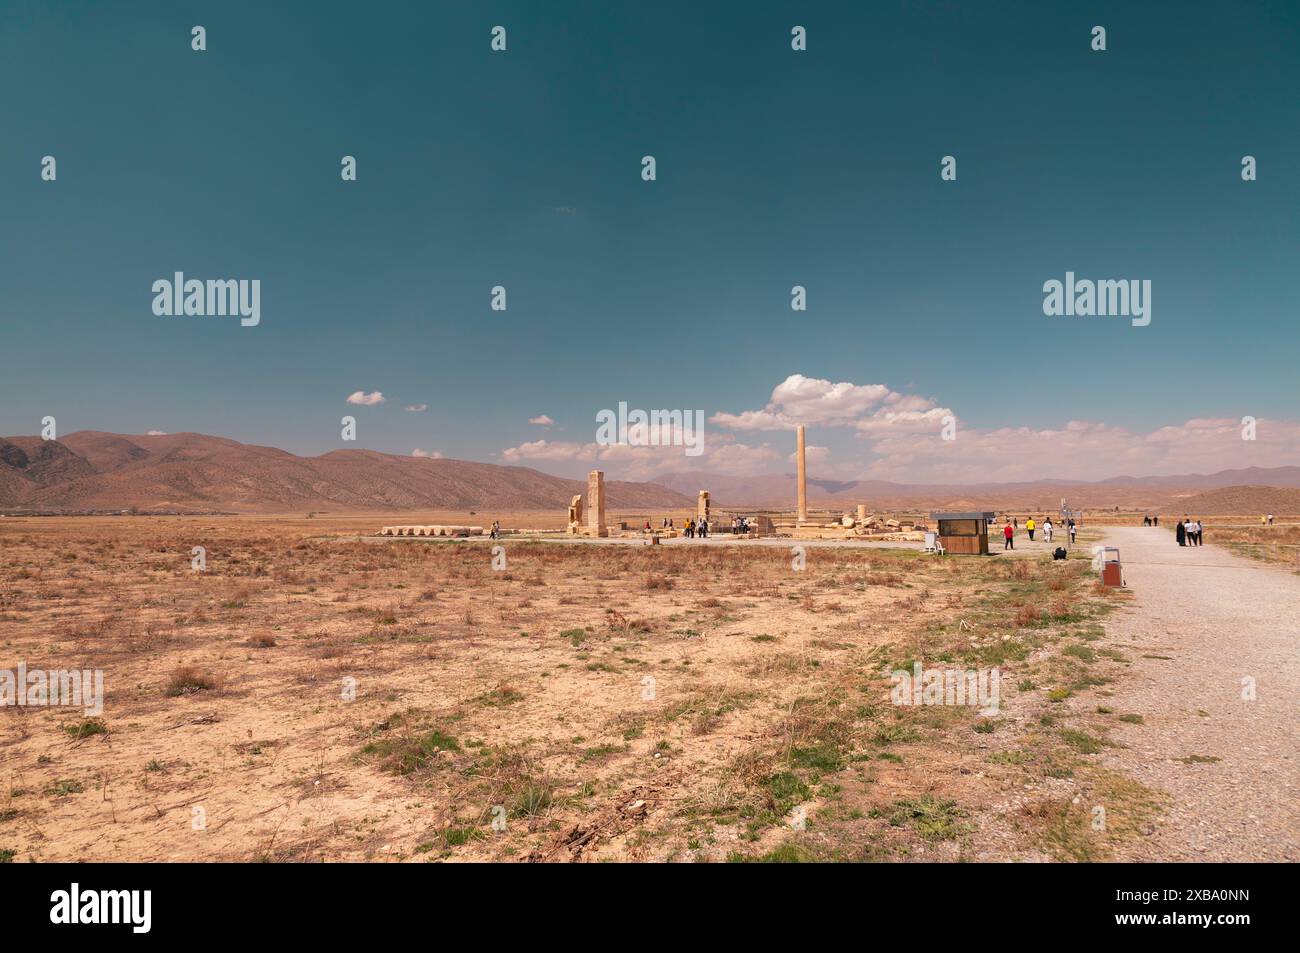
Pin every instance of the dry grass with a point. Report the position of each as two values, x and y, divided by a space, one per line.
324 697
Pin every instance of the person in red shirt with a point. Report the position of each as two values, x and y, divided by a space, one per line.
1008 537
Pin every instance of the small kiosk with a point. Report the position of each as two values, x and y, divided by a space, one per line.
965 534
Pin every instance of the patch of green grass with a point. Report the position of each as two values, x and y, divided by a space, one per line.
86 728
1132 719
600 752
1083 652
64 786
787 853
933 819
785 789
7 856
530 798
411 753
575 636
499 697
1081 741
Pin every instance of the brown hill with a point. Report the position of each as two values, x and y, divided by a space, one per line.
1238 500
89 471
1158 494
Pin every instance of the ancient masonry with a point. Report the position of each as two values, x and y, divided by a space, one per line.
596 504
575 515
802 515
702 506
431 531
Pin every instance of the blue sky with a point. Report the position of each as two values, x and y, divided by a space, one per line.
775 168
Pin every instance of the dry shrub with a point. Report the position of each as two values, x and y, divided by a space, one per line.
1027 616
188 680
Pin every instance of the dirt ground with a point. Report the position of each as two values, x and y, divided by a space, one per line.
312 695
1214 682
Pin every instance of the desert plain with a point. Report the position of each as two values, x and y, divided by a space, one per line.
315 693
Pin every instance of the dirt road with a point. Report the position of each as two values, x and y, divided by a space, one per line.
1203 623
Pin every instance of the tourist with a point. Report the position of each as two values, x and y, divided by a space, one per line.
704 528
689 529
1047 529
1180 533
1155 521
1073 530
1029 525
1199 529
1008 537
496 529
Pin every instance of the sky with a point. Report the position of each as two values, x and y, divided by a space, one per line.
774 168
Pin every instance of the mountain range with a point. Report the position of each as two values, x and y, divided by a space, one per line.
93 472
90 471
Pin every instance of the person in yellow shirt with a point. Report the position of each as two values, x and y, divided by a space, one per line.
1029 525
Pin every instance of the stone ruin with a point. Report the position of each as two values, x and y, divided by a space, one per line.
431 531
596 504
575 515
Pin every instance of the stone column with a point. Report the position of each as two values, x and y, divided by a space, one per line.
596 504
802 515
862 512
702 506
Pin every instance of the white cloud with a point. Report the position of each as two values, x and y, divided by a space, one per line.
428 454
155 433
542 421
417 408
812 401
363 399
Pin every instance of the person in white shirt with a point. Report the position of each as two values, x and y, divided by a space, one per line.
1047 529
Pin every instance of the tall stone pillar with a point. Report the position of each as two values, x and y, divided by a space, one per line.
862 512
596 504
802 515
702 506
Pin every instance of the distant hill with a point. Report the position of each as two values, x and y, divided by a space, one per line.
1155 492
1238 500
89 471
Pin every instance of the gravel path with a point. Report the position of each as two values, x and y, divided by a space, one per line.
1218 618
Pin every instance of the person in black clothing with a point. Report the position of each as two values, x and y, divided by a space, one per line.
1180 533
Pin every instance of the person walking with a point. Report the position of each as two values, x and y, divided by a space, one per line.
1073 531
1047 530
1029 525
1180 533
1008 537
704 528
